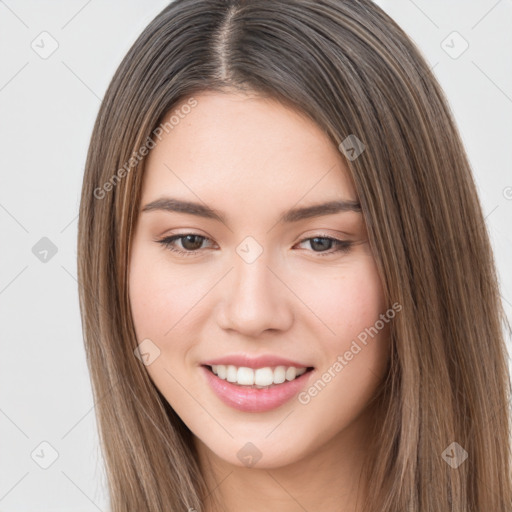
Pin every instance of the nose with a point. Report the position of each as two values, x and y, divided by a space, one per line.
255 299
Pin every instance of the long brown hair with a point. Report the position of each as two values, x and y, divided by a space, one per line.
350 68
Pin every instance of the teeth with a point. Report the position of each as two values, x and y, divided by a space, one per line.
263 376
231 373
221 371
260 378
279 375
245 376
291 373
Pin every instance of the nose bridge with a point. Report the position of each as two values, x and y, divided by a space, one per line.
254 300
252 279
252 285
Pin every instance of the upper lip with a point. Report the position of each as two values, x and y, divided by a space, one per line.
255 362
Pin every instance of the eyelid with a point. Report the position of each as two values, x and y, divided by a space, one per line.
168 240
341 244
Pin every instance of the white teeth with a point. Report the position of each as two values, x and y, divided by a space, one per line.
221 371
279 374
245 376
261 377
291 373
231 373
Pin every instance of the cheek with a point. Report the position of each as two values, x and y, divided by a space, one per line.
354 344
158 298
347 301
162 310
353 362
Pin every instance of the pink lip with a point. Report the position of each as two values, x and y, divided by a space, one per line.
255 362
252 399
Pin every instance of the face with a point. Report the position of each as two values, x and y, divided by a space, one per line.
232 271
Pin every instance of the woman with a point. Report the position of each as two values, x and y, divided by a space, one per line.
288 295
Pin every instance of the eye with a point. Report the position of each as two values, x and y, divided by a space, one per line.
321 242
192 242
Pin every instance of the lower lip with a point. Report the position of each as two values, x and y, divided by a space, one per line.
252 399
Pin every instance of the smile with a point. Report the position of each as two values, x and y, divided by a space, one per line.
257 378
256 390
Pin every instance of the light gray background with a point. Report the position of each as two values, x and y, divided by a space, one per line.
47 109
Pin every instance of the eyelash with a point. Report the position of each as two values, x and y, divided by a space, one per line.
343 245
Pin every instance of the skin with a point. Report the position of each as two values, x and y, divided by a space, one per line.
251 158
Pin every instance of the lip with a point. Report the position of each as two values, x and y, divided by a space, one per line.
252 399
255 362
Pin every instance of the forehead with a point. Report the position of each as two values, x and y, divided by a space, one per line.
231 145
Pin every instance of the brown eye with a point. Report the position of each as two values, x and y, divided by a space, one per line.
190 243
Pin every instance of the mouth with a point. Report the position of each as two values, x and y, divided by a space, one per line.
256 390
257 378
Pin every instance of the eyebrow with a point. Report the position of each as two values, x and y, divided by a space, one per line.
170 204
